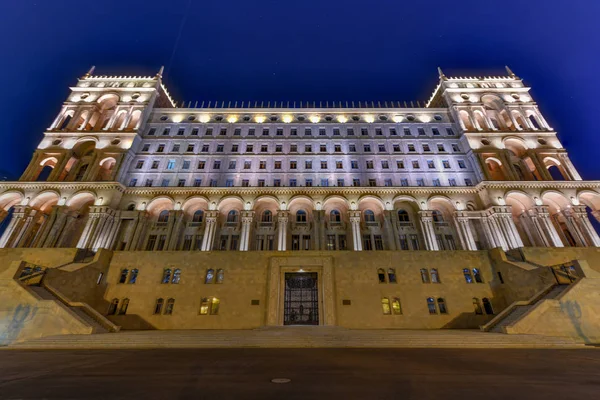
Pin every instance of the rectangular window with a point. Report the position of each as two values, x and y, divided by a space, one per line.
421 131
396 148
217 164
403 242
400 164
352 148
293 148
262 165
407 132
336 131
277 165
149 182
208 132
214 183
381 148
455 148
181 131
324 182
449 132
420 182
307 132
308 182
367 148
205 148
367 244
293 183
364 132
237 132
171 164
245 183
372 182
461 164
330 242
160 148
308 164
446 164
323 148
223 132
175 148
378 132
278 148
293 132
167 132
354 164
265 132
378 242
339 165
436 182
441 148
276 182
249 148
133 182
355 182
181 183
146 148
404 182
139 165
340 182
152 132
385 164
411 148
322 132
415 165
323 164
251 132
151 242
369 164
195 131
232 164
293 164
197 182
264 148
430 164
279 132
388 182
247 164
190 148
393 132
229 183
350 132
426 148
164 183
201 164
451 181
468 182
154 165
220 148
435 131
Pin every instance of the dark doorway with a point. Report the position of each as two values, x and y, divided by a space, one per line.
301 303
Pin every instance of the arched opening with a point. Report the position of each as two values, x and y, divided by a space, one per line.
487 306
66 120
466 120
120 121
301 216
106 106
335 216
494 167
232 217
163 217
534 122
480 120
369 216
267 216
135 120
107 165
556 169
198 216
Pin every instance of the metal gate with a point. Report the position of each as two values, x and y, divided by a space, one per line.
301 303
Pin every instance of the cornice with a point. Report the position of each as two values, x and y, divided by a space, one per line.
62 185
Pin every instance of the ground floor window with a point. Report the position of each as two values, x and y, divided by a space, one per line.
209 306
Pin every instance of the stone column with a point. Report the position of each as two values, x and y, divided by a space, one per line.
26 227
569 167
112 233
489 235
464 230
139 231
247 217
53 227
60 166
16 221
543 223
317 231
573 227
388 229
356 236
426 221
585 226
282 221
506 224
209 230
174 226
539 166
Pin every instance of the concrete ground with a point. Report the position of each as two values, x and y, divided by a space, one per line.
315 374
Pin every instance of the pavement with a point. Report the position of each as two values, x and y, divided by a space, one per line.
331 374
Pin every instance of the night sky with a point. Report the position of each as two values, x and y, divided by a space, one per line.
299 50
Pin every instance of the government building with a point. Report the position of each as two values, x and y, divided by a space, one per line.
139 212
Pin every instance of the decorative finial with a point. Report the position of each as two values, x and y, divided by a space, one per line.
160 71
441 73
510 73
90 72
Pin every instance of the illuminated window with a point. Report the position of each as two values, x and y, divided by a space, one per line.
385 305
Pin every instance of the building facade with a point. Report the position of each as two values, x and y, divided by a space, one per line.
345 193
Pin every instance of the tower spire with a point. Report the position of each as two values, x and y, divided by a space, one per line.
441 73
160 71
510 73
90 72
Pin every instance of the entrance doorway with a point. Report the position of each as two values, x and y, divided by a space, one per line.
301 303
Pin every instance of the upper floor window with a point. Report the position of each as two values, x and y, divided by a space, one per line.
163 216
301 216
232 216
198 216
335 216
369 216
403 216
267 216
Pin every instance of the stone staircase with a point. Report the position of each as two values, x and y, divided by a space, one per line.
297 337
518 309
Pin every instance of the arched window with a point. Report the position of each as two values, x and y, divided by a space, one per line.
124 305
391 275
301 216
335 216
437 216
65 122
477 275
163 216
112 309
385 305
198 216
435 276
232 217
487 306
424 275
267 216
534 122
176 276
123 277
403 216
81 172
166 276
133 276
442 306
369 216
431 305
220 276
468 276
477 306
381 275
169 307
158 306
210 276
396 306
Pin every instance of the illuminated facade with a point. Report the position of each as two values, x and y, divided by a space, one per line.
475 168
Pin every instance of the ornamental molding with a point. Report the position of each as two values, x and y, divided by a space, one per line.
29 186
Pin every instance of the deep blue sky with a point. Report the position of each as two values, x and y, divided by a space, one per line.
299 50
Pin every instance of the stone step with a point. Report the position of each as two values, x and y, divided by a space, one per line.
290 338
